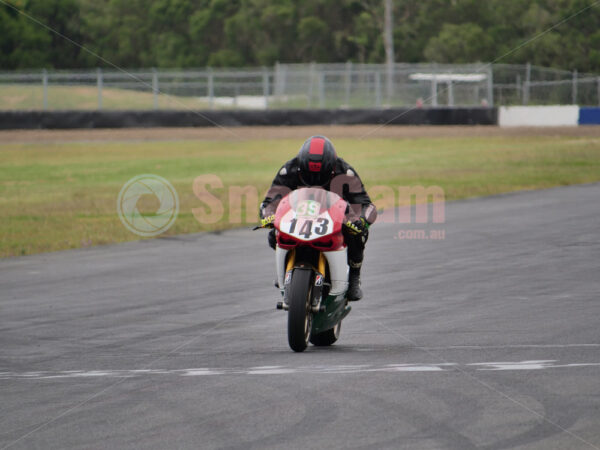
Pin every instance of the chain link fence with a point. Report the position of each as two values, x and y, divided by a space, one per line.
292 86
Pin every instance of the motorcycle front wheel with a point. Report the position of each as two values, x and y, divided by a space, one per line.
299 313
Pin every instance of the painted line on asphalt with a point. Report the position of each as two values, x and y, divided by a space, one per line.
484 347
528 365
283 370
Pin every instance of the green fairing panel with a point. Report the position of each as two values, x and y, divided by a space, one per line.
335 310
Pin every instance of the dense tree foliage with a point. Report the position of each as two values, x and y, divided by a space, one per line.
196 33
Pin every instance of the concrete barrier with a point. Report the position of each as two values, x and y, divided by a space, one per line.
165 118
538 116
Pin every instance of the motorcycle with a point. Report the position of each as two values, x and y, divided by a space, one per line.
312 267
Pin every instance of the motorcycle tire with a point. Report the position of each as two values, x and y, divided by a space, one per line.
299 313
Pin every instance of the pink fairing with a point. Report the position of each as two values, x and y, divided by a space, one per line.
311 216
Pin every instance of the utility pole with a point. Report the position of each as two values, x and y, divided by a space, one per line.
388 41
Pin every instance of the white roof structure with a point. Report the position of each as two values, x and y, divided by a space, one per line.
447 77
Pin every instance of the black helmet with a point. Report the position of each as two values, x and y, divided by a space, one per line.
316 161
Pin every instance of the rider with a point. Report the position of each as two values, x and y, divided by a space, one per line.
318 165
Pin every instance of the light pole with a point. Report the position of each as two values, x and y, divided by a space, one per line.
388 40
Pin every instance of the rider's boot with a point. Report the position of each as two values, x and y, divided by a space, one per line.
354 291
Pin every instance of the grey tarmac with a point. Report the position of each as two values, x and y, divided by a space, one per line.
488 338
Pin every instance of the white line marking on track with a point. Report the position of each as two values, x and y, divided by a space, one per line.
483 347
527 365
282 370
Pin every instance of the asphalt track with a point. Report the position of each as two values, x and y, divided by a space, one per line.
486 339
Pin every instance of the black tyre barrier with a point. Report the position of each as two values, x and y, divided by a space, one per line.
167 118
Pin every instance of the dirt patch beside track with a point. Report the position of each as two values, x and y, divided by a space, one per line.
296 132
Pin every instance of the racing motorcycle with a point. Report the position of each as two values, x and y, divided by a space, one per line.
312 267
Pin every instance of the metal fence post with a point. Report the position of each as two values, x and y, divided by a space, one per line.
284 73
265 86
45 88
526 84
311 77
100 83
574 88
490 87
434 96
155 87
348 83
279 79
321 89
450 93
389 73
377 89
210 87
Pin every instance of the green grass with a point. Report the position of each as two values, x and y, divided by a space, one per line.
28 97
15 97
60 196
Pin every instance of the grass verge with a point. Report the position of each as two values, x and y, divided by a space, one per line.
63 195
15 97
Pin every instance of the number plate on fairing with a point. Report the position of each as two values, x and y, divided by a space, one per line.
306 224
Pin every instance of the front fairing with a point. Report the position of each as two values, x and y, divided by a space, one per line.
311 216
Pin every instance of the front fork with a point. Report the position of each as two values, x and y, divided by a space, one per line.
338 268
284 278
338 274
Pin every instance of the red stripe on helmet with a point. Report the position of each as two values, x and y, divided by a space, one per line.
316 146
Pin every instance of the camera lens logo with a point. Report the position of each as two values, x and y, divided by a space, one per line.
148 224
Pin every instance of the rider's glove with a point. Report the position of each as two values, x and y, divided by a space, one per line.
267 222
357 227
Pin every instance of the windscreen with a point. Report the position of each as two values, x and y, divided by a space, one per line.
312 201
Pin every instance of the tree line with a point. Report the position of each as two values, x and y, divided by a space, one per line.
198 33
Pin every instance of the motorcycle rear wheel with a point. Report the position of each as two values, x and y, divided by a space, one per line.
299 313
328 337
